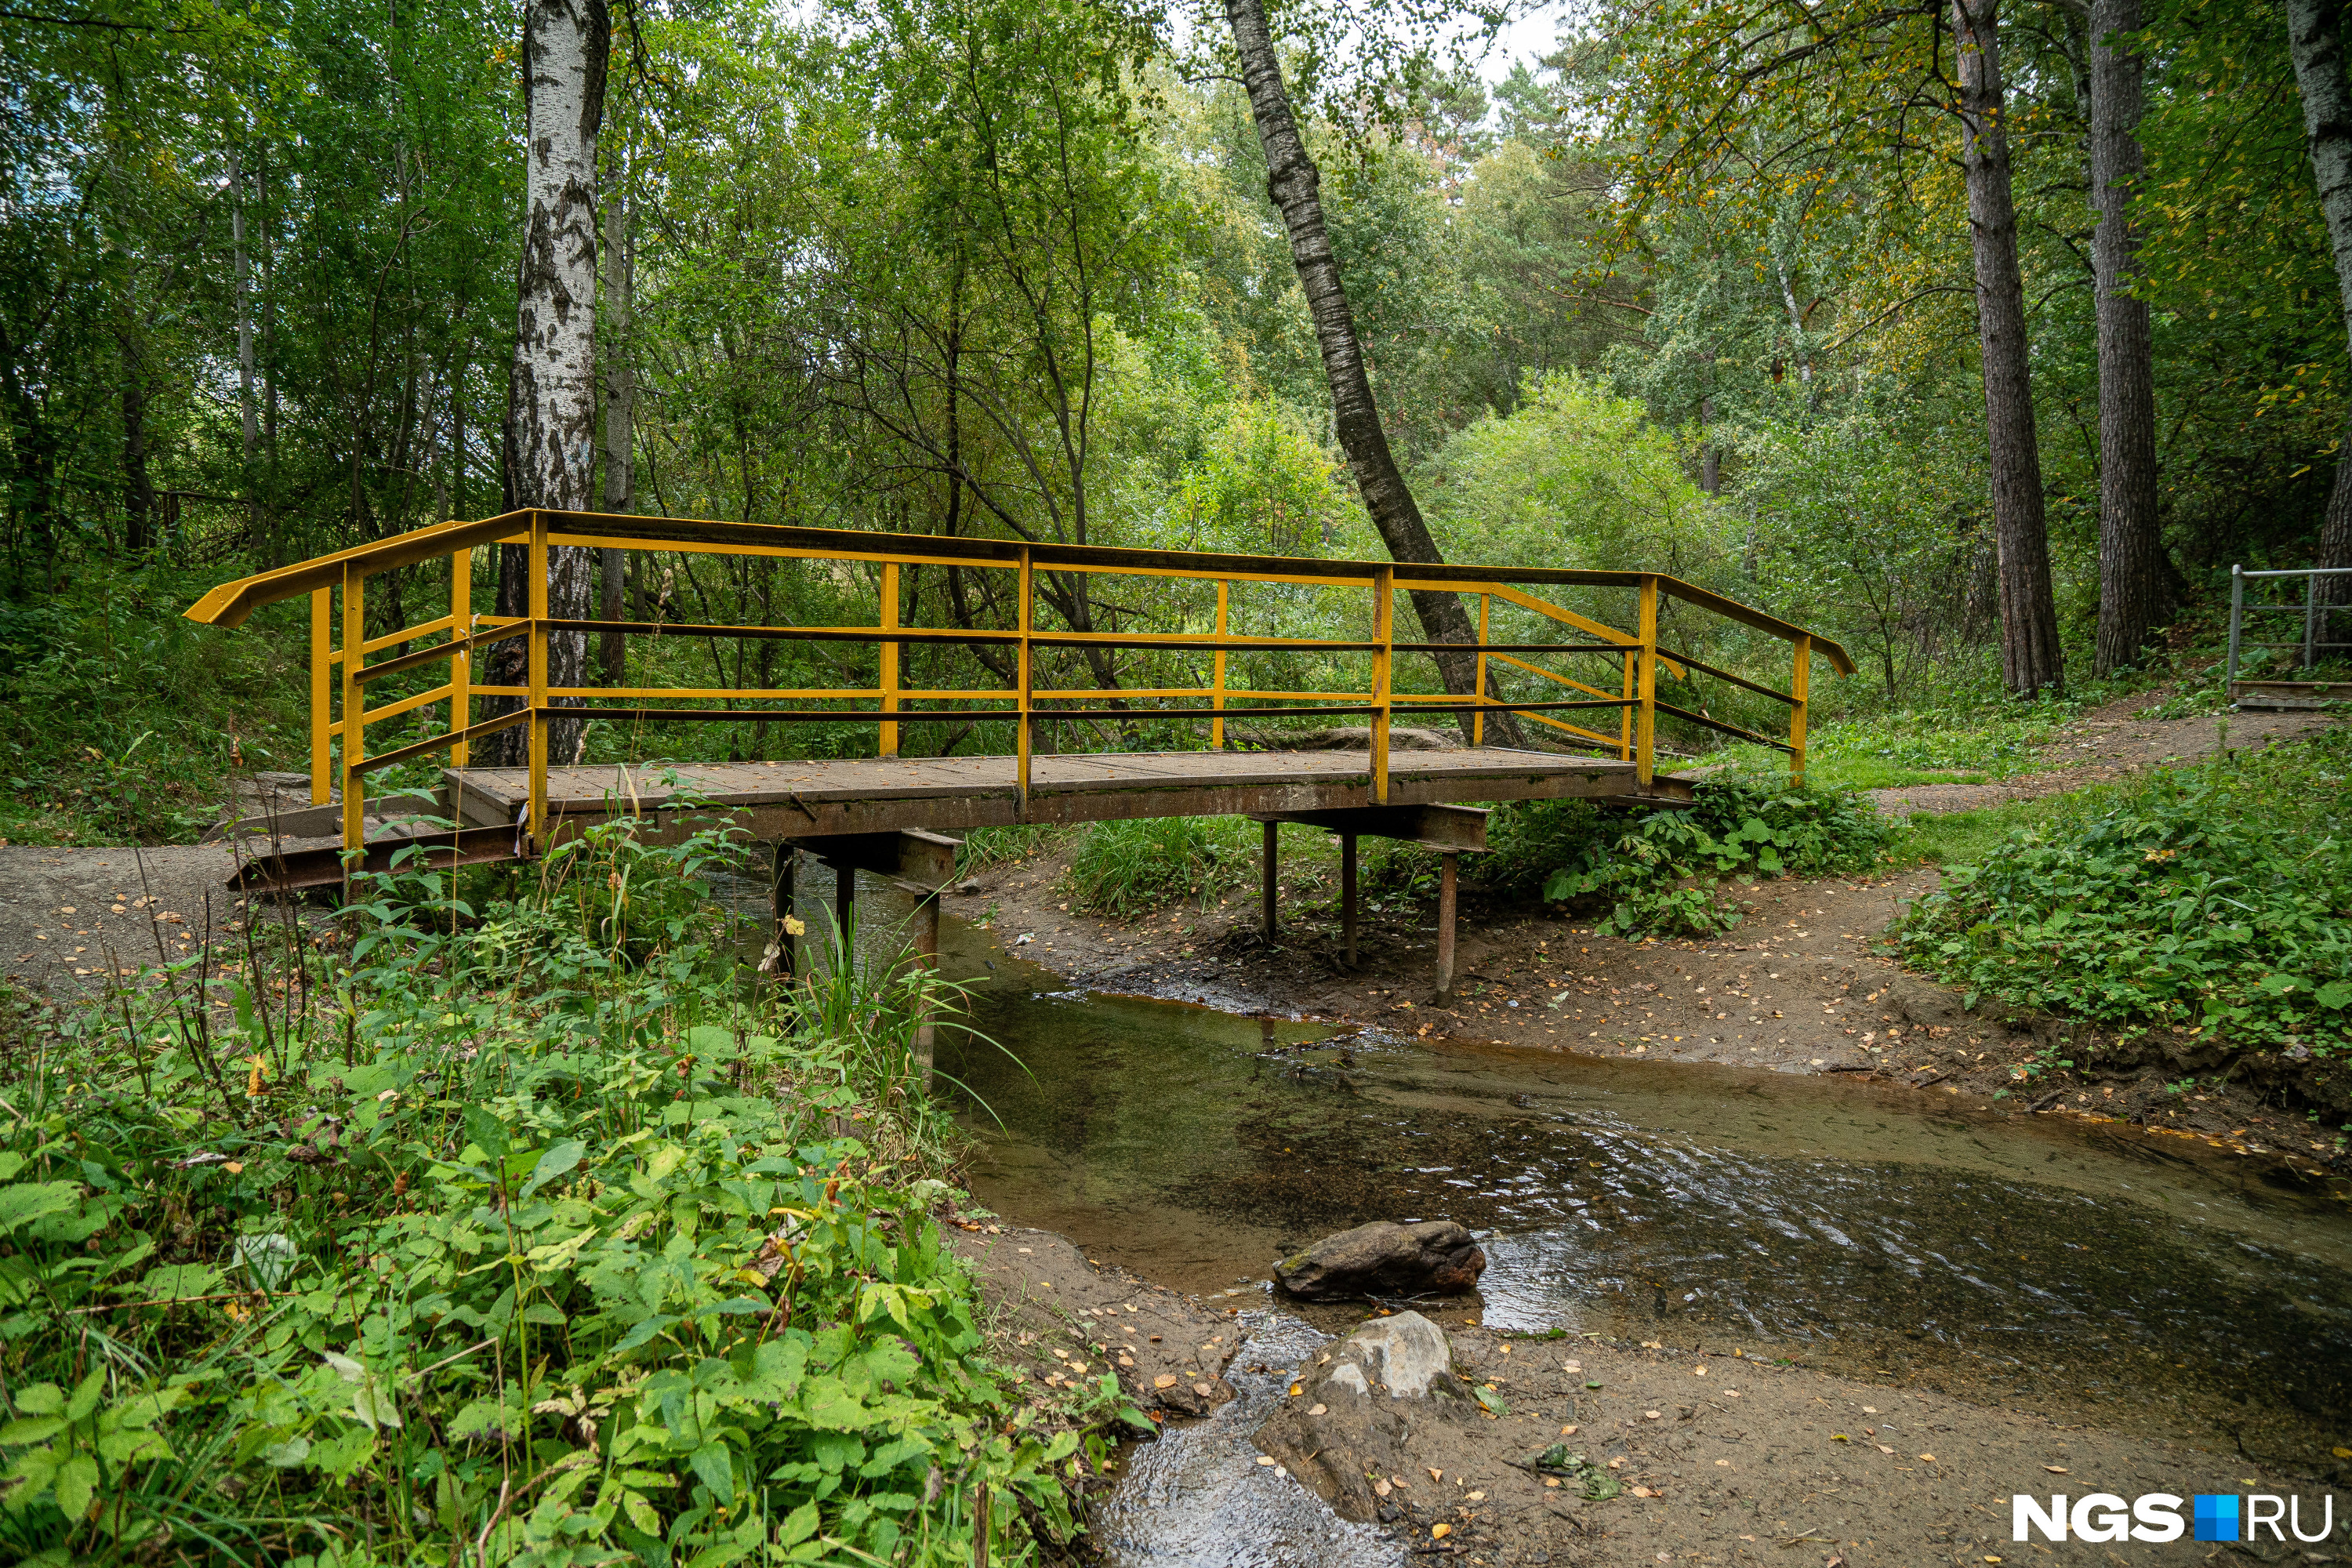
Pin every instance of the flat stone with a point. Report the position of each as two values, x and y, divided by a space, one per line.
1437 1256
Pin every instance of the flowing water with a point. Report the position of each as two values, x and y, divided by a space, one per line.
2089 1270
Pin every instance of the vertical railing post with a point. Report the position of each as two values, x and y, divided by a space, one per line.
889 746
1217 676
323 694
1478 714
1630 690
1800 688
2237 617
1024 684
461 663
1645 719
1383 657
539 726
355 725
2310 620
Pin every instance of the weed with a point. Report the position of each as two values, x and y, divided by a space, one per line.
521 1231
2213 901
1129 867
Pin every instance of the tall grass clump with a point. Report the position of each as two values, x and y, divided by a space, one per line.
2216 900
1127 867
518 1233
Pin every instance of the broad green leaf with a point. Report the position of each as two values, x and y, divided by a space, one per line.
77 1483
714 1467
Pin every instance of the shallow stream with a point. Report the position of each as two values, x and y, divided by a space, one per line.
2089 1270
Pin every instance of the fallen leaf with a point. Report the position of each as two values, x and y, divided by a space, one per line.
1437 1475
1265 1459
1839 1437
2055 1469
1165 1380
1381 1488
1477 1497
1440 1531
1927 1458
234 1167
1317 1409
1203 1390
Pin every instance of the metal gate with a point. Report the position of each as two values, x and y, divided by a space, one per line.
2274 599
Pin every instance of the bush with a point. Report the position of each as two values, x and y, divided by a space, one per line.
2216 900
526 1237
1658 872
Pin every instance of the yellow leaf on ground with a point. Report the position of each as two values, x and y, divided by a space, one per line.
1440 1531
1164 1380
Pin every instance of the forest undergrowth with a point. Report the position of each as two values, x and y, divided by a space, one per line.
516 1229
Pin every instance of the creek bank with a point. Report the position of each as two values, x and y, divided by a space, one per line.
1060 1321
1718 1458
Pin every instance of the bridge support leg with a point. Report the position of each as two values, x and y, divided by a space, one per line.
927 955
782 958
1271 868
1348 894
1445 902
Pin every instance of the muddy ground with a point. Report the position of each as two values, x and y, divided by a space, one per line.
1726 1460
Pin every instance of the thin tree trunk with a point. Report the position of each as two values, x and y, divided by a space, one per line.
552 400
2130 547
248 410
2317 45
2032 660
1292 184
620 398
138 488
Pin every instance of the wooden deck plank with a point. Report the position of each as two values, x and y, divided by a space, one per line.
808 798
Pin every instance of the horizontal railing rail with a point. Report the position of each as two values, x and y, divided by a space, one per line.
340 675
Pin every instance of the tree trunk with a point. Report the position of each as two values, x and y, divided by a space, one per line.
2317 45
552 398
248 411
2131 583
620 398
1292 181
138 488
2030 658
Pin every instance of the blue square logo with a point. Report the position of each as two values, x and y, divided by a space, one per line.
2217 1517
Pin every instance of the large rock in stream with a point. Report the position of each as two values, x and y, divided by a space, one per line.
1435 1257
1352 1426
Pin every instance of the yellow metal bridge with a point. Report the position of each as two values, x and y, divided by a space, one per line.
891 813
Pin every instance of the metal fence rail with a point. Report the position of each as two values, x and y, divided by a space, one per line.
1625 684
2312 645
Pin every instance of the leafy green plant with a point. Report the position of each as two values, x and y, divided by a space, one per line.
1658 873
2214 901
518 1232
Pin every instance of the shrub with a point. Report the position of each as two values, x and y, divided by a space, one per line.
526 1237
1658 871
2218 900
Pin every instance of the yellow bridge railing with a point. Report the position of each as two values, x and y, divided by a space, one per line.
340 675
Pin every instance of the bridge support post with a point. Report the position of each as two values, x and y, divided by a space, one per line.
1445 902
927 955
1271 870
1348 894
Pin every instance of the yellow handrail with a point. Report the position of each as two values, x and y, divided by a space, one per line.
340 675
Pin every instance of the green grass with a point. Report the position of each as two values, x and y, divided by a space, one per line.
1959 837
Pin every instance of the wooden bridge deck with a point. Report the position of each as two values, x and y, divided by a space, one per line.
784 800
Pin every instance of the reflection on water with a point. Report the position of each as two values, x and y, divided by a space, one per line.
1197 1494
1871 1230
